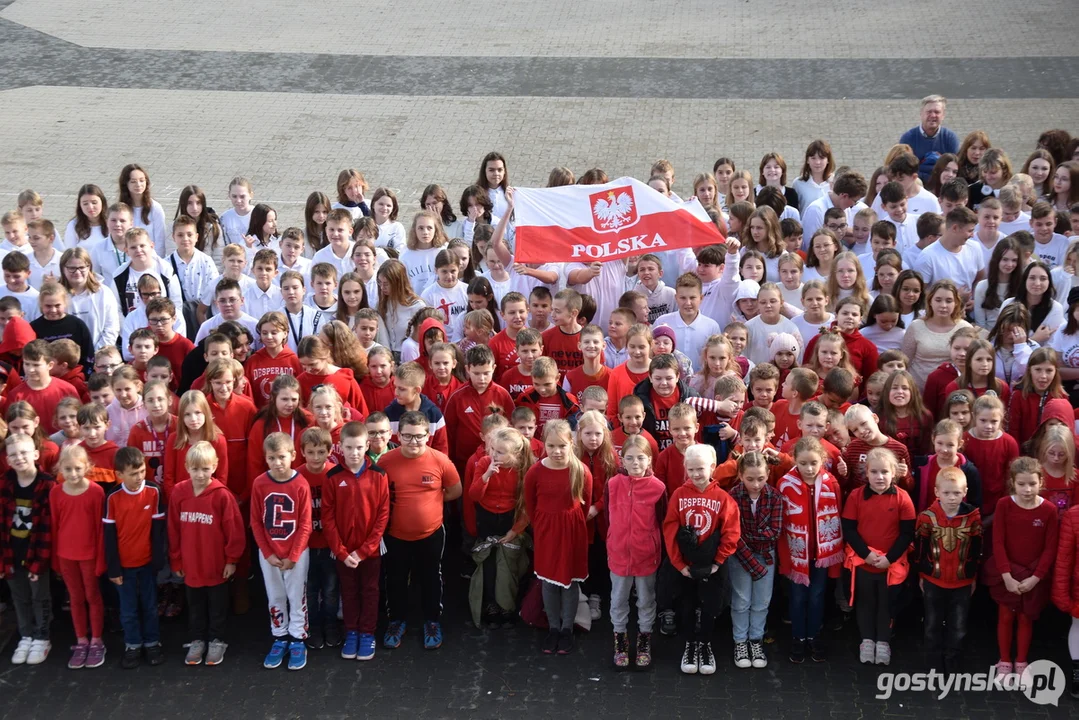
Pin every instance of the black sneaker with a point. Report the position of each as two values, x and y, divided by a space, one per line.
155 654
667 625
798 651
131 659
550 643
1073 688
315 639
706 661
332 634
565 642
689 659
816 650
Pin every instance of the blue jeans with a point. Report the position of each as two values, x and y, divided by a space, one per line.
322 588
138 607
807 604
749 600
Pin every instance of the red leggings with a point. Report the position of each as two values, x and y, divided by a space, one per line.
81 581
1005 620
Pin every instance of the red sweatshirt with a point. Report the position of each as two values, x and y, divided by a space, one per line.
43 401
343 381
709 511
176 467
378 398
206 532
76 525
355 511
316 481
102 458
152 444
499 494
261 370
234 420
933 396
618 439
256 458
505 350
175 351
438 393
1026 412
464 417
77 378
992 458
1025 538
281 516
576 380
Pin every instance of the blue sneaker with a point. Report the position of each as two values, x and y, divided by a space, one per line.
394 631
367 647
348 650
432 636
276 655
297 656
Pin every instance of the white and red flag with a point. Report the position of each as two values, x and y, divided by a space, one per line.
585 223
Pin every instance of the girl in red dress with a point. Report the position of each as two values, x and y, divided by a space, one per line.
1054 446
1024 547
596 451
902 414
557 489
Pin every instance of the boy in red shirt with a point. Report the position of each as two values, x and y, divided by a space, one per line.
468 406
134 552
206 540
813 422
546 399
281 526
763 385
754 438
39 387
670 465
141 345
93 424
440 381
631 422
592 371
514 312
378 387
322 594
800 385
523 420
273 359
65 355
659 393
519 377
865 435
355 513
161 315
562 341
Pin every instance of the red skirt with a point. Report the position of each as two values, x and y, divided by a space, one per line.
561 546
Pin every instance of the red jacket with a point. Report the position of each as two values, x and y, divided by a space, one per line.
378 398
343 381
176 467
464 417
235 421
933 395
1026 413
281 516
636 508
355 511
707 512
206 532
1066 574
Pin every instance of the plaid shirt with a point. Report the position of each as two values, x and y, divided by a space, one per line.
760 530
38 555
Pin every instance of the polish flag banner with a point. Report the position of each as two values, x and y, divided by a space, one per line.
589 223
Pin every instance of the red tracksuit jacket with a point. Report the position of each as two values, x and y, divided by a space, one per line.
355 511
465 412
206 532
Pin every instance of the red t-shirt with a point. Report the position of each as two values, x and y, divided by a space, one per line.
878 517
505 350
175 351
661 407
416 486
44 401
562 347
786 423
152 444
515 381
577 380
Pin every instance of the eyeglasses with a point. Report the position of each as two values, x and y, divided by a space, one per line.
159 320
149 295
379 433
227 301
410 438
77 269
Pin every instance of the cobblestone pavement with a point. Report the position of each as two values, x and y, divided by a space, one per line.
500 674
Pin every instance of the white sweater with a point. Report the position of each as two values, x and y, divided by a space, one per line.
100 312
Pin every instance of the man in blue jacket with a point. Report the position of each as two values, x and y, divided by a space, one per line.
930 139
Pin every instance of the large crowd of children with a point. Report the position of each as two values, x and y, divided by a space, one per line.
867 390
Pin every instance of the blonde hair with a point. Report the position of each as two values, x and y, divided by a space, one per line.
201 453
886 456
638 443
605 453
521 450
71 452
439 240
331 392
562 430
1057 435
860 289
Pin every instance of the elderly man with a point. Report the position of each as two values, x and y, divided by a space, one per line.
930 139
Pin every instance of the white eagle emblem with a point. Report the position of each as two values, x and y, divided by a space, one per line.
613 209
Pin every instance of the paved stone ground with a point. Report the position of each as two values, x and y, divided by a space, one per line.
500 673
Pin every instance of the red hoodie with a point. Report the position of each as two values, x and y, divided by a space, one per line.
76 377
1026 413
355 511
261 370
863 354
206 532
464 418
235 421
256 458
426 326
709 511
379 398
933 396
343 381
176 465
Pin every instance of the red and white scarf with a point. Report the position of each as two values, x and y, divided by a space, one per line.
829 532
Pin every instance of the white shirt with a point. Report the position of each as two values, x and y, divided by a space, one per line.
421 266
327 255
906 232
105 257
1054 320
7 247
213 323
717 296
923 202
247 285
101 313
987 318
156 227
391 234
258 302
987 252
306 322
234 226
197 276
810 191
761 333
1053 251
397 319
809 330
690 338
28 301
39 271
606 288
890 340
137 319
302 266
1020 223
660 301
813 216
937 262
71 238
453 302
499 287
1067 346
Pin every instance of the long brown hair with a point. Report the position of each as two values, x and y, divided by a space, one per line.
1043 356
345 348
916 409
206 224
966 380
82 221
269 412
562 430
147 203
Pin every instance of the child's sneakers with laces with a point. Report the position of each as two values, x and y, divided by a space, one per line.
741 655
667 624
39 650
22 651
621 650
297 655
706 660
594 607
96 656
883 653
394 631
867 652
689 659
215 655
78 656
432 636
757 657
194 652
276 656
644 649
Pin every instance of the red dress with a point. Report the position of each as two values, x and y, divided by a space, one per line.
559 532
1024 544
1060 492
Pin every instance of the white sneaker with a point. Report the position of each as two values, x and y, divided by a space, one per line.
39 650
689 659
22 651
706 660
594 607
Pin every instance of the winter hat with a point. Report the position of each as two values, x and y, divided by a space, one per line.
781 342
747 290
667 332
